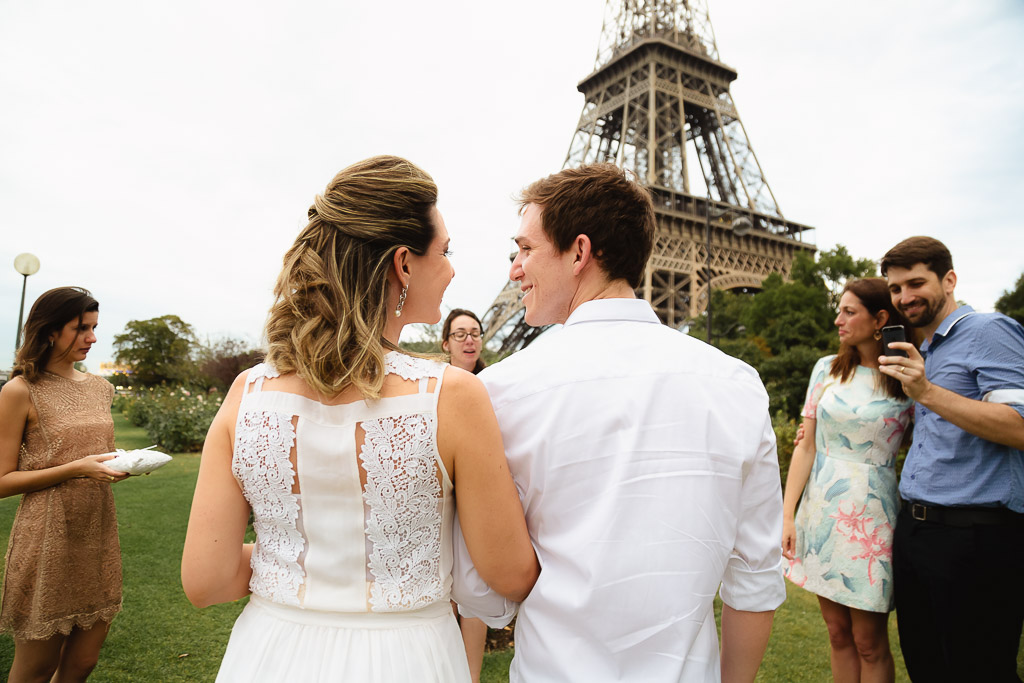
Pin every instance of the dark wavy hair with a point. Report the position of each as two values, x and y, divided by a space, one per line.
447 330
50 313
873 293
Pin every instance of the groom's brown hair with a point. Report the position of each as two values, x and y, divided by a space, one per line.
601 202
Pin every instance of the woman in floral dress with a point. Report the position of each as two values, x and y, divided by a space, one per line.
839 542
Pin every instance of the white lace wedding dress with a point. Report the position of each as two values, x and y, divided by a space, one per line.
353 512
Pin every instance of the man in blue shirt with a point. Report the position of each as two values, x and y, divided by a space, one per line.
958 553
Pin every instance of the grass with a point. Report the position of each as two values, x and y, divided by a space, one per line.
798 649
160 637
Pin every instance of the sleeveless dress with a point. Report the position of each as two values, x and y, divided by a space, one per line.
845 521
353 556
63 566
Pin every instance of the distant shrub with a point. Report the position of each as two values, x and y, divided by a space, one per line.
175 419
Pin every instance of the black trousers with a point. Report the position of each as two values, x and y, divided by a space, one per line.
959 599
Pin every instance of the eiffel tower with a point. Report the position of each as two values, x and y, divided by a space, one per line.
658 98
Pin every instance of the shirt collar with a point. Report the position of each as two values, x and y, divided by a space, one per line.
946 326
598 310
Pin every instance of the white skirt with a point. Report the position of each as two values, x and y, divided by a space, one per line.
273 643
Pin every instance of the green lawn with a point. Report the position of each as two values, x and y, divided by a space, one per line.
161 637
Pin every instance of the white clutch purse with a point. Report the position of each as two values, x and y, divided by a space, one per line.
139 461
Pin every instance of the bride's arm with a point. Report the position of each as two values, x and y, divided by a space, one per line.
215 563
490 512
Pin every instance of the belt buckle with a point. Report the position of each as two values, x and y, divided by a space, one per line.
918 512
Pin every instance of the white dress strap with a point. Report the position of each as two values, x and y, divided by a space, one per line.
259 372
412 368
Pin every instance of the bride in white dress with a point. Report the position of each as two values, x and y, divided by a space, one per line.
348 453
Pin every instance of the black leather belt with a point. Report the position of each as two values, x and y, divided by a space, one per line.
961 516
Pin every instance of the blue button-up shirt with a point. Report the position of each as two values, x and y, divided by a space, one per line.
980 356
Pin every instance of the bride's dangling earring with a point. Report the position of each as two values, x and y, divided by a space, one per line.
401 301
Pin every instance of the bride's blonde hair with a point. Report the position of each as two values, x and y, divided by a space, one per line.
330 301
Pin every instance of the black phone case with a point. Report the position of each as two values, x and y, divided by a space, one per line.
895 333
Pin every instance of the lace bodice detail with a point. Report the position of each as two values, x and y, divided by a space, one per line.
263 444
403 525
410 367
351 504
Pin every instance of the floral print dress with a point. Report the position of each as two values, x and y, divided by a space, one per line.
844 524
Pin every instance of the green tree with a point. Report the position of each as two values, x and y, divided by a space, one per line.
783 329
792 324
158 350
836 266
727 309
787 314
1011 303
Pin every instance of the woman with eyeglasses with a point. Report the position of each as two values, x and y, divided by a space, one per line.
461 340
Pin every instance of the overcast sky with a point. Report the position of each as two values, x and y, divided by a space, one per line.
164 154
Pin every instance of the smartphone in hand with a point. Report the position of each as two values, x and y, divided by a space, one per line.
893 333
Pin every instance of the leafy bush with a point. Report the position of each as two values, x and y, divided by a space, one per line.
785 431
175 419
137 409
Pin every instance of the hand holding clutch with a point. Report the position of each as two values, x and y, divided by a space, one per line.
139 461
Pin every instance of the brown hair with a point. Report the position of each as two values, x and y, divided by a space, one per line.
330 308
873 293
913 250
50 313
598 200
447 330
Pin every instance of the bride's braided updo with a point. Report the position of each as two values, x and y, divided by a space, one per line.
330 301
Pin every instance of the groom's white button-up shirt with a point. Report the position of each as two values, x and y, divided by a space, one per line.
645 460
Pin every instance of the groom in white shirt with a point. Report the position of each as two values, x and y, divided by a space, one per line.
645 459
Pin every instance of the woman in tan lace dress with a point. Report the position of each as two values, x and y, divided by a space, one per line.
62 578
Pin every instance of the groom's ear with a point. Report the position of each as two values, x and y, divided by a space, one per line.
582 253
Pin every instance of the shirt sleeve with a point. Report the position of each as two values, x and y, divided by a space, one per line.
815 388
998 362
753 576
472 594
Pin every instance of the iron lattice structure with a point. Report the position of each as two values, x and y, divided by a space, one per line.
657 100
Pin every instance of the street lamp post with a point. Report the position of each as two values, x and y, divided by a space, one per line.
740 225
26 264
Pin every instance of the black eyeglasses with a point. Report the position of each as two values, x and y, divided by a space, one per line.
460 335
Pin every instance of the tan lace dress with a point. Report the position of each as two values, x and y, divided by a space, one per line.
63 566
